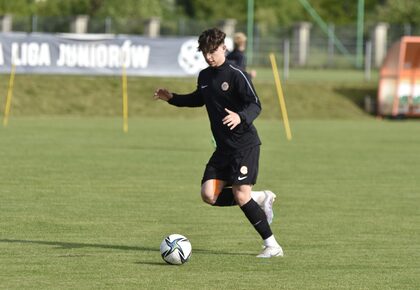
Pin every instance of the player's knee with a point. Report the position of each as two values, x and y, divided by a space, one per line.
208 197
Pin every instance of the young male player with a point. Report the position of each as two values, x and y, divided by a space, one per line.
232 105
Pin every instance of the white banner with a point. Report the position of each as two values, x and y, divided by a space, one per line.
99 54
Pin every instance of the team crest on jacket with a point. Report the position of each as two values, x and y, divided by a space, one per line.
224 86
244 170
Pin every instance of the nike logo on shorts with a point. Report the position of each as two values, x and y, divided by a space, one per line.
204 86
242 178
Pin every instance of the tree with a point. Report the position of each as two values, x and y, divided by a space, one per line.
268 13
16 7
209 10
112 8
400 11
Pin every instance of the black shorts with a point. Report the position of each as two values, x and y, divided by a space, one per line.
237 168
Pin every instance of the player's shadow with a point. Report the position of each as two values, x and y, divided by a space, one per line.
70 245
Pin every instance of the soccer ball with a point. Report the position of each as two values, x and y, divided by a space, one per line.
175 249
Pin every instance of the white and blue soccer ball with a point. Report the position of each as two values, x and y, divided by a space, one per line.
175 249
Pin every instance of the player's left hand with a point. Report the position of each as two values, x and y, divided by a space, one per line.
231 120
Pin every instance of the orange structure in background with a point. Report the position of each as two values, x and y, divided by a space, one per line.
399 83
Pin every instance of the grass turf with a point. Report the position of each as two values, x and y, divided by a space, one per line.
309 94
86 206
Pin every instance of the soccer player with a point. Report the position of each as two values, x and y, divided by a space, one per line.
232 105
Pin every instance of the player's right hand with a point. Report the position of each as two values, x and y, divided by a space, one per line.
162 94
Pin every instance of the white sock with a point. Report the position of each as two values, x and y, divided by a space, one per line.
258 196
271 242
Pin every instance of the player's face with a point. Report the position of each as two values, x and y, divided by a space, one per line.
217 57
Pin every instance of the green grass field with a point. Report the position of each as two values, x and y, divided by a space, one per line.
85 206
309 94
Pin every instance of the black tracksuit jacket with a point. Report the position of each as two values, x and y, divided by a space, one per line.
227 87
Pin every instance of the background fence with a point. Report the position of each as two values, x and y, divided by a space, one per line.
320 50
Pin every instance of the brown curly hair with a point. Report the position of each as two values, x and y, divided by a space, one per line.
210 39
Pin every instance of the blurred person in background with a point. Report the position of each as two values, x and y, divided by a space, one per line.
237 56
